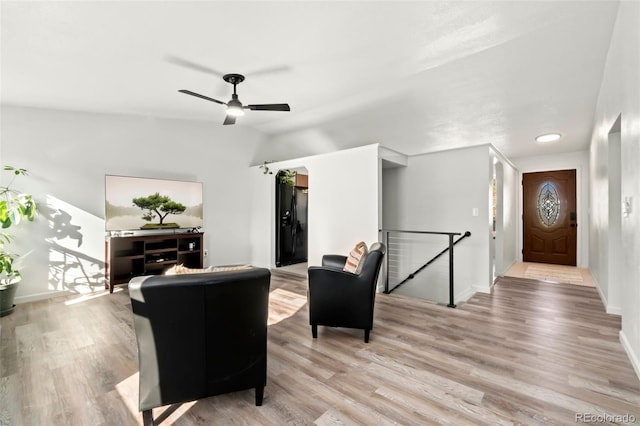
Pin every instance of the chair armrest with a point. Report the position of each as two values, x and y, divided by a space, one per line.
334 261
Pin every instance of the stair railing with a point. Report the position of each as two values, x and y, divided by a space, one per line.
449 249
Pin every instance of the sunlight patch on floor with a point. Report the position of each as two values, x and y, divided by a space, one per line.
284 304
551 273
86 297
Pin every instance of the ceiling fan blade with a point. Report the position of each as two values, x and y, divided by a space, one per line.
270 70
269 107
192 65
229 119
198 95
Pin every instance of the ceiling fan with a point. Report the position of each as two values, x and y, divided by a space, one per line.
234 106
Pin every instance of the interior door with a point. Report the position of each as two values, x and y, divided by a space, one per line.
549 217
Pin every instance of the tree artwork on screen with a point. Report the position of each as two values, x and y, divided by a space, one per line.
156 205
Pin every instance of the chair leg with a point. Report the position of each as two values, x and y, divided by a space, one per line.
314 331
366 336
259 395
147 418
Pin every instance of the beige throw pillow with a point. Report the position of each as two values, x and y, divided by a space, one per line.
356 258
230 268
181 269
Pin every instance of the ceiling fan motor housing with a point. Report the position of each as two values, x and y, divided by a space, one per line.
234 102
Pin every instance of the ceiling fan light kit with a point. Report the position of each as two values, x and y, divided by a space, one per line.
234 106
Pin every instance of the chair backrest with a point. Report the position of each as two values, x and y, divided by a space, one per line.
373 262
200 335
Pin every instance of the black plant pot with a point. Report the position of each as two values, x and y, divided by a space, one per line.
7 296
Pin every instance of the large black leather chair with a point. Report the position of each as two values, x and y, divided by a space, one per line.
200 335
342 299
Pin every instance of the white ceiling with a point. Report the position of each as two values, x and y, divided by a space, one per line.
413 76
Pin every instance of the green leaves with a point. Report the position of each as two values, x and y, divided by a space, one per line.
160 205
172 207
287 176
6 265
16 171
151 202
15 207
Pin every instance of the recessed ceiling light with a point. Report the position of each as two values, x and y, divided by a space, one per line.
549 137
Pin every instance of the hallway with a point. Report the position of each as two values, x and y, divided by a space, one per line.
551 273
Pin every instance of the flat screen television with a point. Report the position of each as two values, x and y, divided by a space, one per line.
135 203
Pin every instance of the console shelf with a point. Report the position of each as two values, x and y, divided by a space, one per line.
132 256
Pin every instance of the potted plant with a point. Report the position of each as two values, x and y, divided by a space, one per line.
287 177
15 207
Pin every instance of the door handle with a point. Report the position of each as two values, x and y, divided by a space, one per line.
574 225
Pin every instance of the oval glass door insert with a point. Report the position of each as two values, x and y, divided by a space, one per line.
548 204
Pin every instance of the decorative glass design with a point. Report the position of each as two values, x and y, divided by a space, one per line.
548 204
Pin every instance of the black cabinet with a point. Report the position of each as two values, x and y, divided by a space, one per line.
131 256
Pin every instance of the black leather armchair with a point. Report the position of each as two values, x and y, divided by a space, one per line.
342 299
200 335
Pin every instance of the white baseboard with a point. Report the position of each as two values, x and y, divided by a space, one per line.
481 289
633 357
501 274
613 310
465 295
603 298
39 296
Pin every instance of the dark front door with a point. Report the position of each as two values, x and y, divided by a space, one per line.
549 217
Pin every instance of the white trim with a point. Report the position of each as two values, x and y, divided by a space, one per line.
465 295
582 206
41 296
613 310
502 156
392 157
480 289
633 357
502 274
603 298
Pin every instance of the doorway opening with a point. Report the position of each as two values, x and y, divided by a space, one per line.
612 282
497 213
291 216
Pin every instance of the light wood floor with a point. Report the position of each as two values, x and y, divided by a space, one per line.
531 353
551 273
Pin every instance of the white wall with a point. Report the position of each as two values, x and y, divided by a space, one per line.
605 232
614 238
567 161
619 96
507 223
68 154
599 214
438 192
343 203
297 144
